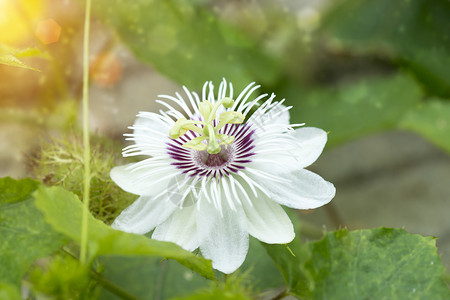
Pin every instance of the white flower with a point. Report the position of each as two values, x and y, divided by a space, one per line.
210 178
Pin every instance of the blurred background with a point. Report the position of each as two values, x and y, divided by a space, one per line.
375 74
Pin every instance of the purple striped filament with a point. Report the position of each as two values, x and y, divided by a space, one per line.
230 159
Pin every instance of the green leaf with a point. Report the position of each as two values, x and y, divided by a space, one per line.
380 263
187 42
356 109
8 56
415 33
63 211
25 235
169 279
431 120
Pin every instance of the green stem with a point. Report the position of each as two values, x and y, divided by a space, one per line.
87 150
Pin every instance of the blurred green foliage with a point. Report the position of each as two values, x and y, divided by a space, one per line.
9 291
415 33
432 120
353 110
186 42
355 69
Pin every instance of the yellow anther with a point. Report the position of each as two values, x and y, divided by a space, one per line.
227 102
182 126
229 117
210 139
177 129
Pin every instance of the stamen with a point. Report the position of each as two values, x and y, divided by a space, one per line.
227 102
210 139
229 117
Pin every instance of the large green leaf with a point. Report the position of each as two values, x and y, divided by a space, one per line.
63 211
186 42
24 234
379 263
150 278
415 32
432 120
352 110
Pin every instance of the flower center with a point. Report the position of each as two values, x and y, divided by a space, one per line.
230 159
213 161
209 139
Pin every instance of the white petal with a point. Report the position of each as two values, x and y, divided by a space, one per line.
279 114
263 117
268 222
149 129
279 162
281 154
144 181
144 214
180 228
283 117
302 190
223 239
312 141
